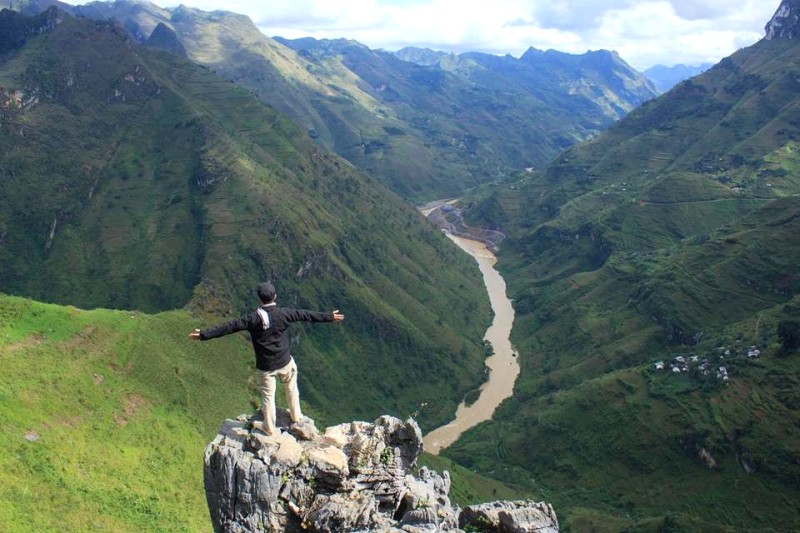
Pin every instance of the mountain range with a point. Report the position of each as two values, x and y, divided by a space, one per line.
654 272
427 131
598 80
665 78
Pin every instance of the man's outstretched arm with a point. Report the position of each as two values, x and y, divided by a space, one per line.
303 315
227 328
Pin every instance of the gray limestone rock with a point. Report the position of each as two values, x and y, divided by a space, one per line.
353 477
427 501
510 517
304 429
344 512
785 23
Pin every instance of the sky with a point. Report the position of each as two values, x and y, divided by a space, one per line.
643 32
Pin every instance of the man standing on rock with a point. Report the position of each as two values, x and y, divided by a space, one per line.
267 326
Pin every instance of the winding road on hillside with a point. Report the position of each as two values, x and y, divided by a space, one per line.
503 365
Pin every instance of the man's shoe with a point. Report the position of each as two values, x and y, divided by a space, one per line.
259 425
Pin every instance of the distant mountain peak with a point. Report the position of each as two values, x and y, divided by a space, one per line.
420 56
785 23
534 55
531 51
165 38
665 78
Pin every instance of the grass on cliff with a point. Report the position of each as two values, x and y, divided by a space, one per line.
104 416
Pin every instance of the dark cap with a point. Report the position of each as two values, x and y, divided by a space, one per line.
266 292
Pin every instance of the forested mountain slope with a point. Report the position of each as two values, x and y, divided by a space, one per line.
133 179
655 273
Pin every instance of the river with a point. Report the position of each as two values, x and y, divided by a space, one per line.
503 365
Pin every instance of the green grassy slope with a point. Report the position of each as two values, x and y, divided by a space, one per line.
134 179
671 234
104 416
593 425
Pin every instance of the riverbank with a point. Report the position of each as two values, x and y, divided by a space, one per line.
447 216
503 366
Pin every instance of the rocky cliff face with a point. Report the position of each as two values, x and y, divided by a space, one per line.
785 24
353 477
16 29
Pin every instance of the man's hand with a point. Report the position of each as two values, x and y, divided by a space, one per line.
195 335
337 316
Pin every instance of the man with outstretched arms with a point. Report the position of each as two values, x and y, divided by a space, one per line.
267 326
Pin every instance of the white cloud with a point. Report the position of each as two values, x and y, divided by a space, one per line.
575 14
658 32
704 9
644 32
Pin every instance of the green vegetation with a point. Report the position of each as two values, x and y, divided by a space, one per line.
134 179
426 132
104 416
470 488
673 234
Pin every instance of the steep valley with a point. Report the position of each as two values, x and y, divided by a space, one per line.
653 268
134 179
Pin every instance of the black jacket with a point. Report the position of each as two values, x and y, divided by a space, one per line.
272 344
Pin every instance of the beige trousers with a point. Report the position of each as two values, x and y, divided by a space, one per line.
267 384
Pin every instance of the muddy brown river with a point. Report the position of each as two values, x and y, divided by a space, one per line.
503 365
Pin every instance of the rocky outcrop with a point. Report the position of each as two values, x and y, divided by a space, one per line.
353 477
15 29
511 517
785 23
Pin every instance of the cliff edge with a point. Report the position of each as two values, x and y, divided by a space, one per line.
355 476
